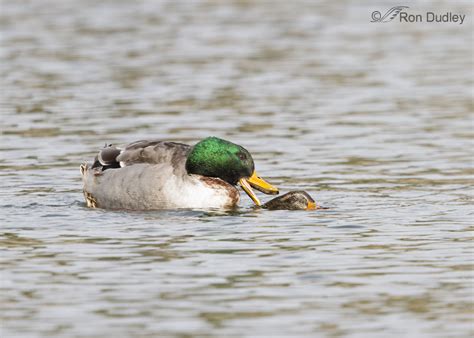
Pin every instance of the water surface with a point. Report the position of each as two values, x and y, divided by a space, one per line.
373 120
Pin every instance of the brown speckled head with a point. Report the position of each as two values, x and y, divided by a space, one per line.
294 200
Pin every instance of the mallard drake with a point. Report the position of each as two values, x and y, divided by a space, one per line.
147 175
293 200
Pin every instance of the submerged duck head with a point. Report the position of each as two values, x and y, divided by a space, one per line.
215 157
294 200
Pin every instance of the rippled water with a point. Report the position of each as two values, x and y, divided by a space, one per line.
374 120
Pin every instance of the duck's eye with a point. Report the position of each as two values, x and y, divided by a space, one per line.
242 156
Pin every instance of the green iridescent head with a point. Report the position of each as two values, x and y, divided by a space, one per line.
215 157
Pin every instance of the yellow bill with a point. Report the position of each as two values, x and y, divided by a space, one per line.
262 185
259 184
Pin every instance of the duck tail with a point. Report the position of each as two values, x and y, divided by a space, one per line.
90 200
83 168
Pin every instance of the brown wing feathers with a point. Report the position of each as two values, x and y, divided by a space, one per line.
143 151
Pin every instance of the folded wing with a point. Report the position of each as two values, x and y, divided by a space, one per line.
145 151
